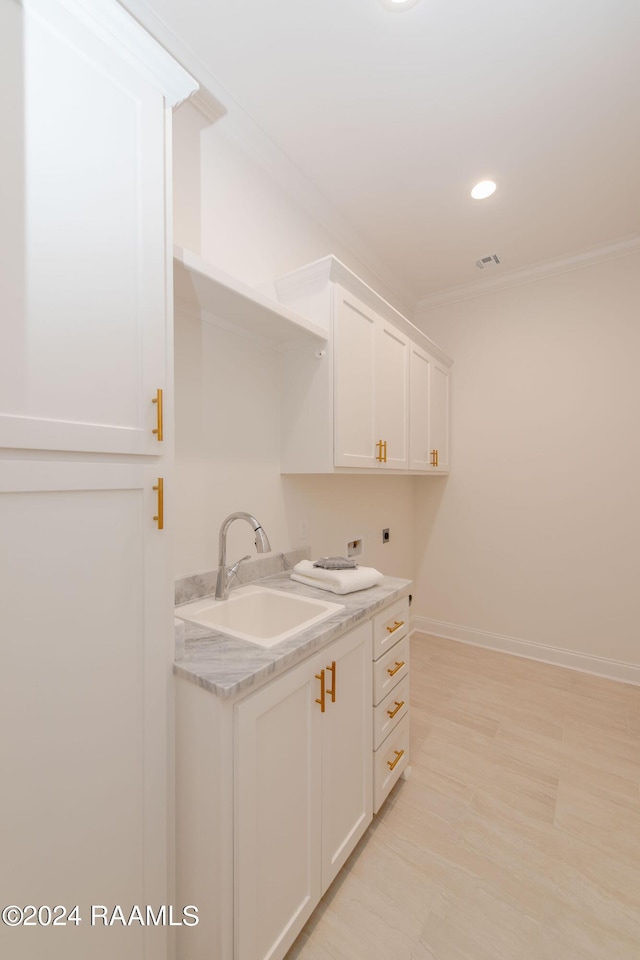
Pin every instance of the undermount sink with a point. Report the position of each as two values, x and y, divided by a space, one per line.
259 615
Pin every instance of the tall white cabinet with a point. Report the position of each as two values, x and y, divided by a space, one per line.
85 457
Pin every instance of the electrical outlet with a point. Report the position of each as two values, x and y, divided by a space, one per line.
354 548
385 535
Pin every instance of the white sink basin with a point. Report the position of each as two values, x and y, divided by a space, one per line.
259 615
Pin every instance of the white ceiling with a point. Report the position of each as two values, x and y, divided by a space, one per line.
393 116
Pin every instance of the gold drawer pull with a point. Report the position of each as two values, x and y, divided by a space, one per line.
159 518
159 416
434 458
332 671
399 665
320 700
396 626
391 763
399 706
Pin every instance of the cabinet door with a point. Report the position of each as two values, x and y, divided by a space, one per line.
355 330
428 412
347 801
82 339
439 413
84 672
371 369
277 813
419 377
392 395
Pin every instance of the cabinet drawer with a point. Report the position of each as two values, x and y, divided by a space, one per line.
390 626
390 712
389 761
390 669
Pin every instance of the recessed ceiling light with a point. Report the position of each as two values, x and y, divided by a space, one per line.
483 189
398 4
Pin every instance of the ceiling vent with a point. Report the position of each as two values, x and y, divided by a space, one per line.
489 261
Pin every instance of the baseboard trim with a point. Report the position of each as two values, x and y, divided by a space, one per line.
586 663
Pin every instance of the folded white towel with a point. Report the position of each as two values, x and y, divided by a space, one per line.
337 581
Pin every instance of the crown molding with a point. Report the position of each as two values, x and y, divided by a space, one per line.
294 287
537 271
120 31
207 105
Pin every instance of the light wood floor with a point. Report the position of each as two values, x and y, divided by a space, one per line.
517 836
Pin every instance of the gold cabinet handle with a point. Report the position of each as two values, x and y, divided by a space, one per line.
399 665
382 451
332 671
320 699
159 415
434 458
399 706
159 518
396 626
391 763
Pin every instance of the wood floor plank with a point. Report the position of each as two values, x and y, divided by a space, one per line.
517 835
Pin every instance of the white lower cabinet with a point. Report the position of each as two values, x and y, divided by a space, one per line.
389 762
390 698
390 711
303 791
275 788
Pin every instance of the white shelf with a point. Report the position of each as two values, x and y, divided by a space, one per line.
221 296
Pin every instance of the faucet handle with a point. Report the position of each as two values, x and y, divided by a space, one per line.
231 571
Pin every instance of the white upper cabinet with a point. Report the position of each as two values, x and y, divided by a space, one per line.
376 397
370 387
419 374
439 416
355 333
83 341
392 396
428 412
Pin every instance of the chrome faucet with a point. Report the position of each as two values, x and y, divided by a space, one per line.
226 575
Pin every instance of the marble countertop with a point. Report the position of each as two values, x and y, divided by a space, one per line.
228 667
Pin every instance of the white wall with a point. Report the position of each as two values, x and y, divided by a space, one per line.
337 509
228 458
229 209
227 443
535 536
531 543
